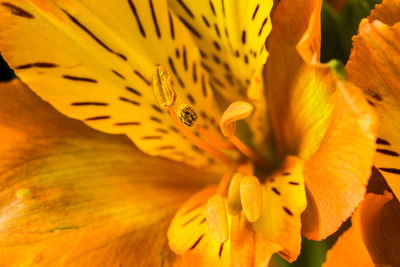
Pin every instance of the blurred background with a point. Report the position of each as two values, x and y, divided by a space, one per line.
340 20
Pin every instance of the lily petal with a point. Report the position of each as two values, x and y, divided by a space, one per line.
94 62
284 200
376 55
73 196
231 36
387 12
374 238
325 121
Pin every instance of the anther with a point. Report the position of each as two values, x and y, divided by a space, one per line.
234 204
162 88
217 221
251 197
186 115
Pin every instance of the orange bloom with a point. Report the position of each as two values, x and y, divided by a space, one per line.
296 163
374 237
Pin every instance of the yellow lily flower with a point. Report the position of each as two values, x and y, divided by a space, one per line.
374 238
147 69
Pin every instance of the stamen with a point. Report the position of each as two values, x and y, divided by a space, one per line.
251 197
186 115
237 111
217 220
242 147
223 183
214 141
200 143
162 88
234 204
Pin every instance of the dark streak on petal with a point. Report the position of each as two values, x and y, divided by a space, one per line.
80 25
190 28
80 79
151 137
129 101
390 170
171 26
127 123
212 8
262 26
381 141
165 148
186 8
155 119
118 74
130 89
387 152
98 118
89 104
142 77
139 23
156 108
255 12
276 191
37 65
153 15
220 250
197 242
288 211
293 183
18 11
205 21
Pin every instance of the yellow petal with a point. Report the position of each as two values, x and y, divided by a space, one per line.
284 200
231 36
189 236
73 196
326 122
94 62
376 56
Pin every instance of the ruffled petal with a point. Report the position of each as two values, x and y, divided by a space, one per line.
376 55
388 12
325 121
94 62
73 196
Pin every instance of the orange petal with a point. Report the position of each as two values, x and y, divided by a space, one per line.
326 122
73 196
374 238
375 55
388 12
380 220
349 249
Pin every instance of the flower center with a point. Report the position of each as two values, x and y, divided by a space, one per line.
238 190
